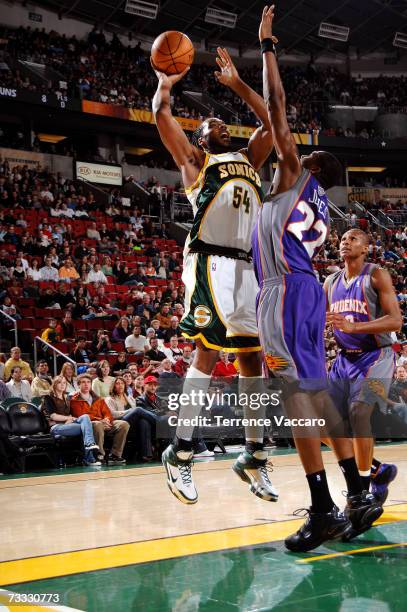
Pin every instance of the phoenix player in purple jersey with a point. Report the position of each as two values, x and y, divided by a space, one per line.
292 225
363 310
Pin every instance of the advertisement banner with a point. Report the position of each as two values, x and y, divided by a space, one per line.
376 194
190 125
99 173
23 158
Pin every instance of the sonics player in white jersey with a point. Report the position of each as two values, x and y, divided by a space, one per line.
225 191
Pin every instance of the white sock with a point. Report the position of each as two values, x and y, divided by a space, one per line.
247 386
197 381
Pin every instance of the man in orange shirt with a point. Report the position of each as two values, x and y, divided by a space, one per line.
86 402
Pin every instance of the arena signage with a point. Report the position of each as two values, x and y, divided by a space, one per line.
99 173
145 116
17 157
55 100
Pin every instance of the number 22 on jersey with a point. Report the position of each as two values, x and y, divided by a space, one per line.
307 227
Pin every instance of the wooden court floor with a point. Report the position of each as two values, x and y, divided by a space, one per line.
117 539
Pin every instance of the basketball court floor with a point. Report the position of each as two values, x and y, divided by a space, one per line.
116 540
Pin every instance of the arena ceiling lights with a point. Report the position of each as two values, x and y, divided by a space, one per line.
224 19
334 32
141 9
400 40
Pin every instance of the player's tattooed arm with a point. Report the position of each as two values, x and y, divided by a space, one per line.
274 96
188 158
261 142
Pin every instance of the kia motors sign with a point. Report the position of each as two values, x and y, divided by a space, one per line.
99 173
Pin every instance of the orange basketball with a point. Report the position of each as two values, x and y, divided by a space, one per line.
172 52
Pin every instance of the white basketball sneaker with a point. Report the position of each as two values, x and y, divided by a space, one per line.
178 465
254 469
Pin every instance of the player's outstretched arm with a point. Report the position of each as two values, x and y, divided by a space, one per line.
390 321
274 95
261 142
188 158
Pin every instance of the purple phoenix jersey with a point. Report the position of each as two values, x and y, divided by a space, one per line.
363 356
290 230
357 301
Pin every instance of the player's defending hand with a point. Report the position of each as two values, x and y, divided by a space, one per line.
168 80
266 24
228 74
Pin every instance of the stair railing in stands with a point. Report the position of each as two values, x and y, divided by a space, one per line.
55 352
15 325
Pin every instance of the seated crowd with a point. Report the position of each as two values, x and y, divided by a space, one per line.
108 71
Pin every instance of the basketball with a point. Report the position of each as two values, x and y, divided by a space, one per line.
172 52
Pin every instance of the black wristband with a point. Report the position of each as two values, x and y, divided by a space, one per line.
267 45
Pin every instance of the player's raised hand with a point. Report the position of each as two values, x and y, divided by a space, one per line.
168 80
228 74
266 24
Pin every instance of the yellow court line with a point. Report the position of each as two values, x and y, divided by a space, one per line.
351 552
81 561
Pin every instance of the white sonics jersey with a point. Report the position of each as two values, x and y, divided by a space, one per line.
225 200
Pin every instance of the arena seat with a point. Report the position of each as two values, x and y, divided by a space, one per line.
5 425
29 430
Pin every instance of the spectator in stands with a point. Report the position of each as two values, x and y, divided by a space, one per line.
66 328
173 352
86 402
155 324
402 360
120 364
48 272
57 410
154 352
166 371
4 391
15 360
92 232
179 311
164 317
41 384
101 342
122 406
102 384
68 272
173 329
121 330
398 383
107 268
81 250
96 275
173 264
134 370
224 368
68 372
80 310
2 365
135 342
17 386
182 365
146 366
50 334
34 271
80 355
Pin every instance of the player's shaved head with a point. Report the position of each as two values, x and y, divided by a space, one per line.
360 234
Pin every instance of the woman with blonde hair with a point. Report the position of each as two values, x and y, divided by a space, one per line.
57 411
123 407
68 372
